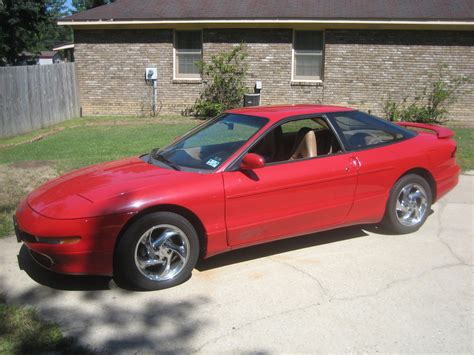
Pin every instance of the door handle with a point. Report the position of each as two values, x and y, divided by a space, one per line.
354 162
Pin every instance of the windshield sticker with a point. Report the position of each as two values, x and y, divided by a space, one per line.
213 163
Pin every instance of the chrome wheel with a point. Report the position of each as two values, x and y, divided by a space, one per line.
162 252
412 204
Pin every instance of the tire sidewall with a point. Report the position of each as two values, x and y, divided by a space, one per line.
126 272
391 220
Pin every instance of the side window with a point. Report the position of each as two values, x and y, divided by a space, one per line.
188 51
307 55
362 130
298 139
293 127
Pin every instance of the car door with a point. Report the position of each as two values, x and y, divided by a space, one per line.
288 198
380 148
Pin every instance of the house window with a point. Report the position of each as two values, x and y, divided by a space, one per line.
188 51
307 55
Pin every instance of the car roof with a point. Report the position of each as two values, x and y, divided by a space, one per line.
279 112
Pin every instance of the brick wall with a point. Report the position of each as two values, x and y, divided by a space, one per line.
362 67
269 60
111 67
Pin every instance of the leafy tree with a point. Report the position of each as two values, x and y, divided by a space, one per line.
20 22
81 5
50 34
30 26
224 76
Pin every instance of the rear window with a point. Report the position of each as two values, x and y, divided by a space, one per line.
360 130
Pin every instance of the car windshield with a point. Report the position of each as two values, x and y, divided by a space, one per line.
210 145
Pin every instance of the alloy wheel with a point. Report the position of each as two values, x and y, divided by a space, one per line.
412 204
162 252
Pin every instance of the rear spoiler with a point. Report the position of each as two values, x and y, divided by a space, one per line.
441 132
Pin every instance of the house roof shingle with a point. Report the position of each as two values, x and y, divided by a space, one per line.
167 10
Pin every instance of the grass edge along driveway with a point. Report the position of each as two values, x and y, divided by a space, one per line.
22 331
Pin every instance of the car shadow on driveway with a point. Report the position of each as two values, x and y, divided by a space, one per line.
94 283
60 281
283 246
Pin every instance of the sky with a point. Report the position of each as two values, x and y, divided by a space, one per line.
68 3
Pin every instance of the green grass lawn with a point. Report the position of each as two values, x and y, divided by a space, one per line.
79 146
23 332
96 121
79 143
465 140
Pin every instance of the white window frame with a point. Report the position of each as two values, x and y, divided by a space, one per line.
294 78
195 77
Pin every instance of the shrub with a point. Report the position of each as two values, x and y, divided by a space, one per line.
224 76
431 105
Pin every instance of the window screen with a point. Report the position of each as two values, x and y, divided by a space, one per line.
188 51
308 55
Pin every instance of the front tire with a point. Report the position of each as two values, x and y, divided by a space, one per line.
157 251
408 205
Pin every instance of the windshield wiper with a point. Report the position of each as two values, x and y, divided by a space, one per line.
161 158
152 154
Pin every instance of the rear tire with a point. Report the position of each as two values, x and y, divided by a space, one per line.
157 251
408 205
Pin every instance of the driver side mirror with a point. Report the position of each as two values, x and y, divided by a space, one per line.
252 161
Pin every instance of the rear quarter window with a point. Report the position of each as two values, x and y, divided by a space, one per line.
359 130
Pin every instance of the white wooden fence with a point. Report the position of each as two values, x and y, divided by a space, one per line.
37 96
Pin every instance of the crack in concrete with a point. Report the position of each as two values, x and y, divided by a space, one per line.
397 281
331 299
324 291
442 206
247 324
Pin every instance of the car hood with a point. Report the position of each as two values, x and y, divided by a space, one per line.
97 190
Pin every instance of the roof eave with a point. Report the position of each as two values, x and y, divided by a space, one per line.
220 23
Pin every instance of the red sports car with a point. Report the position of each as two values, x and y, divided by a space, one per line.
249 176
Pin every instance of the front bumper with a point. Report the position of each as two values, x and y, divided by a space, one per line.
91 255
17 230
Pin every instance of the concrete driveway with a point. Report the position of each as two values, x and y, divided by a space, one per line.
349 290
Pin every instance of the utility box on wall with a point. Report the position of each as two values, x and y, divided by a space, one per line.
251 100
151 74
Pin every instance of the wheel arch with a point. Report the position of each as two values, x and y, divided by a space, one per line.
425 174
182 211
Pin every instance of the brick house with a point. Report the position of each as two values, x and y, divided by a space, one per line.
346 52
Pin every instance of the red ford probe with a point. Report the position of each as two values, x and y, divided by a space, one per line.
249 176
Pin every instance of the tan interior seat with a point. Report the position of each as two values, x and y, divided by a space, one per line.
307 148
